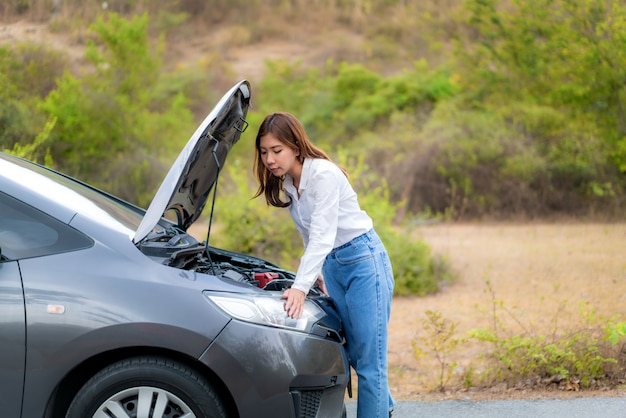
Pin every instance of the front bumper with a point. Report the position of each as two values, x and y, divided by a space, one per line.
272 372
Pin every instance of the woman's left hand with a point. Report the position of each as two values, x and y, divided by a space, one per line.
295 302
321 285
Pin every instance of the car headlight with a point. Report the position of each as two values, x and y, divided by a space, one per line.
265 310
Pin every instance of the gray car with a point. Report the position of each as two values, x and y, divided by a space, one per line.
109 310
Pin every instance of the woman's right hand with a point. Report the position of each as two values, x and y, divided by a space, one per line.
295 302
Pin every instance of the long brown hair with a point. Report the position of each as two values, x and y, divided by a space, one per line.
289 130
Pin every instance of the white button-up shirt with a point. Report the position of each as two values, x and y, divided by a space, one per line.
327 214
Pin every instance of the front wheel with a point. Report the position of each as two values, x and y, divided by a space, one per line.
147 387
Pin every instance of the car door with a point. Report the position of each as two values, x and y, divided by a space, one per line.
12 339
12 315
26 233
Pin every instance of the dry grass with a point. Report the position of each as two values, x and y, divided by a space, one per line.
542 272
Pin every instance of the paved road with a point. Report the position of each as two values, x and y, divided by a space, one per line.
570 408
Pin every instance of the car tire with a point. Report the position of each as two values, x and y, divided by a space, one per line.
166 388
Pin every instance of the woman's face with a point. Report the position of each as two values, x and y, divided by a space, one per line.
278 157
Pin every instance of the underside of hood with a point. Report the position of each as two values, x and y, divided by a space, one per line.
186 186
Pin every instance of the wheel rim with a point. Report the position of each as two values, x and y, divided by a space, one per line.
144 402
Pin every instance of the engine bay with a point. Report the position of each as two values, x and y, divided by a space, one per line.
176 248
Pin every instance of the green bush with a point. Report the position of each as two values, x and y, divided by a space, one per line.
563 54
575 358
343 101
111 128
578 358
439 343
27 74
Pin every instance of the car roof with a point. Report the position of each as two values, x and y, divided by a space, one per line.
26 181
51 191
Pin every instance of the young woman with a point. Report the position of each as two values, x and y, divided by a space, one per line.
339 240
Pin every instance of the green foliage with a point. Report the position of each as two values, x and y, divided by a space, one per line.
32 68
31 150
440 343
344 101
521 159
18 122
526 119
108 124
167 21
615 332
27 73
575 358
559 53
123 56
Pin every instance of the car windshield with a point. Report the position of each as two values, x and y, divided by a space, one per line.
93 199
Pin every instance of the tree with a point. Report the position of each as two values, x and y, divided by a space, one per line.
565 54
110 127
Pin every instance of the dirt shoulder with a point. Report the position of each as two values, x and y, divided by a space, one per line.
541 272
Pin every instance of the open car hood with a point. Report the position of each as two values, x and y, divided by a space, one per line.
186 186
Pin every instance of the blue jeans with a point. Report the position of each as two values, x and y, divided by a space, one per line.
359 279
